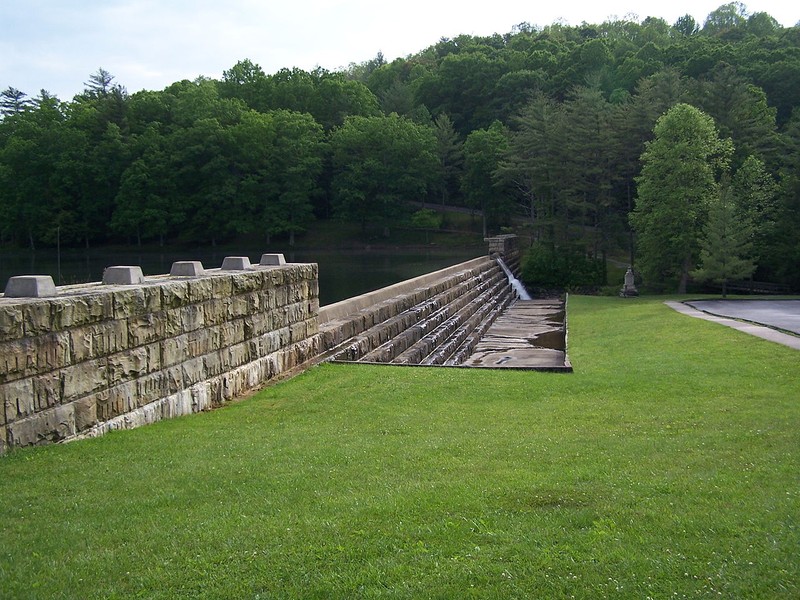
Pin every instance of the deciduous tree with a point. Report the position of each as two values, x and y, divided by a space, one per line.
676 185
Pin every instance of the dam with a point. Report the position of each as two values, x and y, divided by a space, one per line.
79 361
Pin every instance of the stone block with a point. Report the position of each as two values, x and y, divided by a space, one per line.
83 379
95 341
85 413
175 294
222 285
36 318
200 289
116 401
146 329
173 350
11 322
76 310
187 268
17 359
236 263
193 371
272 260
217 311
123 275
199 343
192 317
128 365
47 391
18 400
30 286
52 351
52 425
3 440
135 301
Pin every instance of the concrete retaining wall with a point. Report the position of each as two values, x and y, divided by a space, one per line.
98 357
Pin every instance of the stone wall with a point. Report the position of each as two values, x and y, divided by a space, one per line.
98 357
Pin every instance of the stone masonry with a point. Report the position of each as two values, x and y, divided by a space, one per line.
96 357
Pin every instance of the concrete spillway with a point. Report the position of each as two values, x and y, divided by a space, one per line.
469 315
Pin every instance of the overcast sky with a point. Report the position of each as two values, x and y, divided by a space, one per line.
149 44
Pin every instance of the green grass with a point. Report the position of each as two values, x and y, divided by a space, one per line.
666 466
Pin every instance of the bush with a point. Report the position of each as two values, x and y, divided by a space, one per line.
561 267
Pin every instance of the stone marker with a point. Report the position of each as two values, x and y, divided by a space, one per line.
123 275
272 260
629 287
30 286
187 268
236 263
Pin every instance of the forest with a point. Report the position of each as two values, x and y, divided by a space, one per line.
673 146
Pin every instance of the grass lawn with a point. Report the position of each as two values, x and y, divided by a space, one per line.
666 466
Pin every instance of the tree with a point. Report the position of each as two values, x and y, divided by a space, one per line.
676 185
686 25
732 15
99 83
483 152
534 165
379 164
278 159
13 101
726 243
449 150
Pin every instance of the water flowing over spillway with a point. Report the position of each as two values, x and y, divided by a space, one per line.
522 293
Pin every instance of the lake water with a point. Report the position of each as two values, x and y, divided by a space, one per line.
342 274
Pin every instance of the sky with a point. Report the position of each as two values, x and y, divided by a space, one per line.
149 44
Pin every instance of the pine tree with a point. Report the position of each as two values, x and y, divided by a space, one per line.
725 248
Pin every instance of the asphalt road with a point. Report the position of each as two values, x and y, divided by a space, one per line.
782 314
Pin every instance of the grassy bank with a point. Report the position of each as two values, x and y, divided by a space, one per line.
666 466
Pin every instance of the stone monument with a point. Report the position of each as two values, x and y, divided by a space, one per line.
629 287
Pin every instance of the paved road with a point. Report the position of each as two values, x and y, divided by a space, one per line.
762 331
783 314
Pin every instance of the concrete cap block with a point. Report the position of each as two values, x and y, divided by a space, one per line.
187 268
236 263
30 286
272 260
122 275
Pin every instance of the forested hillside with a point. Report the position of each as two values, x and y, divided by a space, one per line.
553 125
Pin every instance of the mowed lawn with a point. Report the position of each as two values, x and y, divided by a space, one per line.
666 466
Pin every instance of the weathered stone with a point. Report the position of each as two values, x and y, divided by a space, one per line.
36 318
123 275
200 289
18 400
193 371
136 301
76 310
11 322
52 425
30 286
47 391
119 400
83 379
198 343
174 294
3 440
125 366
222 285
146 329
95 341
192 317
85 413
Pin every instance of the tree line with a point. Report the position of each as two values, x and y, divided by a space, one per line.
552 124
